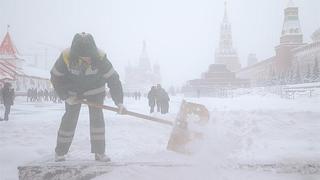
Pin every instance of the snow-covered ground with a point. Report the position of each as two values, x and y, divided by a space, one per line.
247 129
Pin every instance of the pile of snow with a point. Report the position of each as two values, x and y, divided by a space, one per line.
250 129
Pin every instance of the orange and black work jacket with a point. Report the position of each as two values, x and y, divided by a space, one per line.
83 80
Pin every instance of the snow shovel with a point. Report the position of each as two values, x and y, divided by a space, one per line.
190 115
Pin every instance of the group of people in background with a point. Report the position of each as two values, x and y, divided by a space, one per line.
35 95
157 96
7 96
136 95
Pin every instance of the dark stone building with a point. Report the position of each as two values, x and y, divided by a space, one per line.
215 82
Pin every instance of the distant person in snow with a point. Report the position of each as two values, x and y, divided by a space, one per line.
135 95
29 95
158 101
81 72
162 100
8 98
46 95
152 98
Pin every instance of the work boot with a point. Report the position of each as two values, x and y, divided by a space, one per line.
102 157
59 158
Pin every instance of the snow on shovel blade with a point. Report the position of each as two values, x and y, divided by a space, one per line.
187 127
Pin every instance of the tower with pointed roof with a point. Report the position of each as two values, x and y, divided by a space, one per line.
7 48
292 54
144 62
142 76
8 51
157 73
291 30
14 69
291 37
226 54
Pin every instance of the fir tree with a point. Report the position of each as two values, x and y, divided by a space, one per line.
286 77
291 77
297 78
315 71
283 78
307 77
273 78
270 77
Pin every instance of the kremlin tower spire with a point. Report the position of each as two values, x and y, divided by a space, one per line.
144 62
226 54
7 47
291 30
225 18
291 37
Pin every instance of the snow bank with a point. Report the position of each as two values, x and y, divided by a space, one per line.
245 129
249 129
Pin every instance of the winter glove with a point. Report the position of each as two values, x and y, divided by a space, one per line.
122 109
73 100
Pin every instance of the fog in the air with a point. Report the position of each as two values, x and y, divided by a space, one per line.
181 35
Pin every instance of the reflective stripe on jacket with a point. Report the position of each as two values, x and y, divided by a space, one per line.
82 79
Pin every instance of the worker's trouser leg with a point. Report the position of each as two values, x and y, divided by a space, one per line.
97 126
69 123
67 128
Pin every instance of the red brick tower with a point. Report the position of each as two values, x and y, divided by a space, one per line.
291 37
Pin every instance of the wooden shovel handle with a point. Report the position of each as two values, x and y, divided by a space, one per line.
130 113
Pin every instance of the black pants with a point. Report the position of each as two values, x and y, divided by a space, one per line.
151 108
158 106
152 103
6 112
164 107
69 123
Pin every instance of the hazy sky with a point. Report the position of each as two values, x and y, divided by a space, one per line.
181 35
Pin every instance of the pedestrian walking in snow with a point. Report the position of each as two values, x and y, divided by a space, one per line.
8 98
35 94
29 95
136 95
152 98
40 95
164 101
81 72
46 95
158 102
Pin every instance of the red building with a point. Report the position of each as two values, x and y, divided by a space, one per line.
291 55
14 69
226 53
220 76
